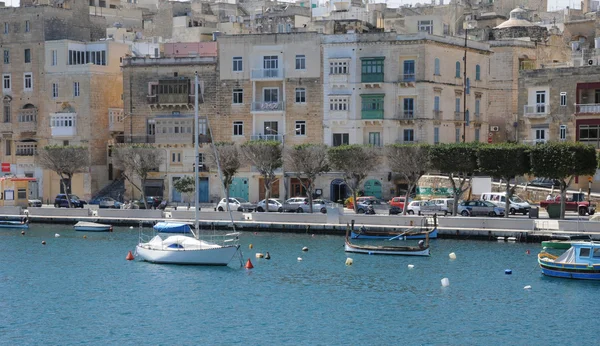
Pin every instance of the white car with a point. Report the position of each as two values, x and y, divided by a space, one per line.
236 204
415 207
274 205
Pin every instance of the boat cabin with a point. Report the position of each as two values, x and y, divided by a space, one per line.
582 253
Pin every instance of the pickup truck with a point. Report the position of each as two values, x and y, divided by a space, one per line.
576 202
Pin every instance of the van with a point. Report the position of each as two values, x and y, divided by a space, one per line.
516 205
445 204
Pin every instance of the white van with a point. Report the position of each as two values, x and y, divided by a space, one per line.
445 204
517 205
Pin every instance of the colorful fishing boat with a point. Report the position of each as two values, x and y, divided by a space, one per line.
563 242
13 224
580 261
428 227
422 249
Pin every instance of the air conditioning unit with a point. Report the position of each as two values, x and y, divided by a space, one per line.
494 128
591 62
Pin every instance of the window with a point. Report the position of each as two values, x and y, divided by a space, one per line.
457 135
238 128
477 107
375 139
271 127
6 82
338 104
540 102
540 135
436 67
27 26
5 28
467 118
27 55
409 135
271 63
468 86
23 149
54 90
28 81
7 148
408 108
562 135
409 71
238 96
237 64
176 157
340 139
436 135
477 72
436 103
338 67
300 95
584 252
563 99
300 128
6 56
476 135
271 95
300 62
426 26
372 69
75 89
7 112
21 193
457 69
54 57
457 105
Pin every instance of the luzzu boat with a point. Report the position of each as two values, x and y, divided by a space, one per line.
580 261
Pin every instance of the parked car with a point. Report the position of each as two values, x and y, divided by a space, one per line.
236 204
446 205
61 201
154 201
418 207
575 202
516 204
274 205
545 182
301 205
398 202
349 203
394 210
106 202
376 204
34 203
474 208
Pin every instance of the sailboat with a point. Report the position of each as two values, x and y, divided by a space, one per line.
185 249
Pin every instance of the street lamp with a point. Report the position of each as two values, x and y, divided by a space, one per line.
285 188
467 26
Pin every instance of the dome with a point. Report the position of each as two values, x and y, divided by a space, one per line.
518 18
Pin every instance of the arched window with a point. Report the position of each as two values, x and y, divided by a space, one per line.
457 69
437 67
477 72
6 109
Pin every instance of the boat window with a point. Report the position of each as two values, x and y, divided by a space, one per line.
584 252
176 246
597 253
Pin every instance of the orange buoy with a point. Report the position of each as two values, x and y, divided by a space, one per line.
249 264
110 229
129 256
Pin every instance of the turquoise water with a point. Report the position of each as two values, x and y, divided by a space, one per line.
83 291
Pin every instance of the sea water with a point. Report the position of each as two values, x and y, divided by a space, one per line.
79 289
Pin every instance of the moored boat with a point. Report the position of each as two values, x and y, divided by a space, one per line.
172 227
13 224
92 227
580 261
563 242
428 227
421 250
180 249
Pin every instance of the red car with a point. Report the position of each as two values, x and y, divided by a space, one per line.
397 202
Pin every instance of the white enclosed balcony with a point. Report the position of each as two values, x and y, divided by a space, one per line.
267 74
268 106
537 110
115 119
591 108
63 124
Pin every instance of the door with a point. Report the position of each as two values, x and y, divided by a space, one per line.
540 102
271 65
270 95
262 191
373 188
239 188
175 195
33 189
203 190
540 135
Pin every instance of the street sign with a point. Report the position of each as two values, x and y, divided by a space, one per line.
5 166
490 138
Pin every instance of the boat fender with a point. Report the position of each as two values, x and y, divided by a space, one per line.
130 227
421 244
452 256
56 235
267 256
305 248
259 255
411 266
129 256
445 282
349 261
507 271
249 264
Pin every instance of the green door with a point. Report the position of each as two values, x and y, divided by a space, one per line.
373 188
239 188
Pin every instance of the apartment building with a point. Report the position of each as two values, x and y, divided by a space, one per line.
271 88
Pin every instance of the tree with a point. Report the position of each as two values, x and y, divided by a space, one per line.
226 156
187 186
265 156
308 161
137 160
459 161
563 161
66 161
410 161
504 161
355 162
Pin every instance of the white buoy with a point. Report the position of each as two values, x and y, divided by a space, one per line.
130 227
445 282
56 235
349 261
411 266
299 258
452 256
259 255
500 238
527 287
511 239
305 248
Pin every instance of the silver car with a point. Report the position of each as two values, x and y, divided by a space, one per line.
274 205
481 208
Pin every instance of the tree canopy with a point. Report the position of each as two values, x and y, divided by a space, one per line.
410 161
307 161
266 157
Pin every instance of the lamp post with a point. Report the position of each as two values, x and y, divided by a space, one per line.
285 188
464 136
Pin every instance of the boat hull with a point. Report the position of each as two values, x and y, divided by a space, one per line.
92 229
210 257
388 235
385 251
15 224
570 274
556 244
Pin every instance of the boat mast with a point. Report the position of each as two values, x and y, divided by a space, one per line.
196 159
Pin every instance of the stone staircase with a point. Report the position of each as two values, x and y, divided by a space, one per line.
115 189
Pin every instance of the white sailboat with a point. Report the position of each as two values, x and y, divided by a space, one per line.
183 249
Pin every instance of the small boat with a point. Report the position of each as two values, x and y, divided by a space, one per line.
563 242
419 232
92 227
13 224
172 227
421 250
580 261
180 249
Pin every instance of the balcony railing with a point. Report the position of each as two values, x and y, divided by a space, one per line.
267 73
458 116
268 106
371 78
135 139
437 114
590 108
537 110
408 77
63 124
6 127
405 114
115 120
372 114
260 137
